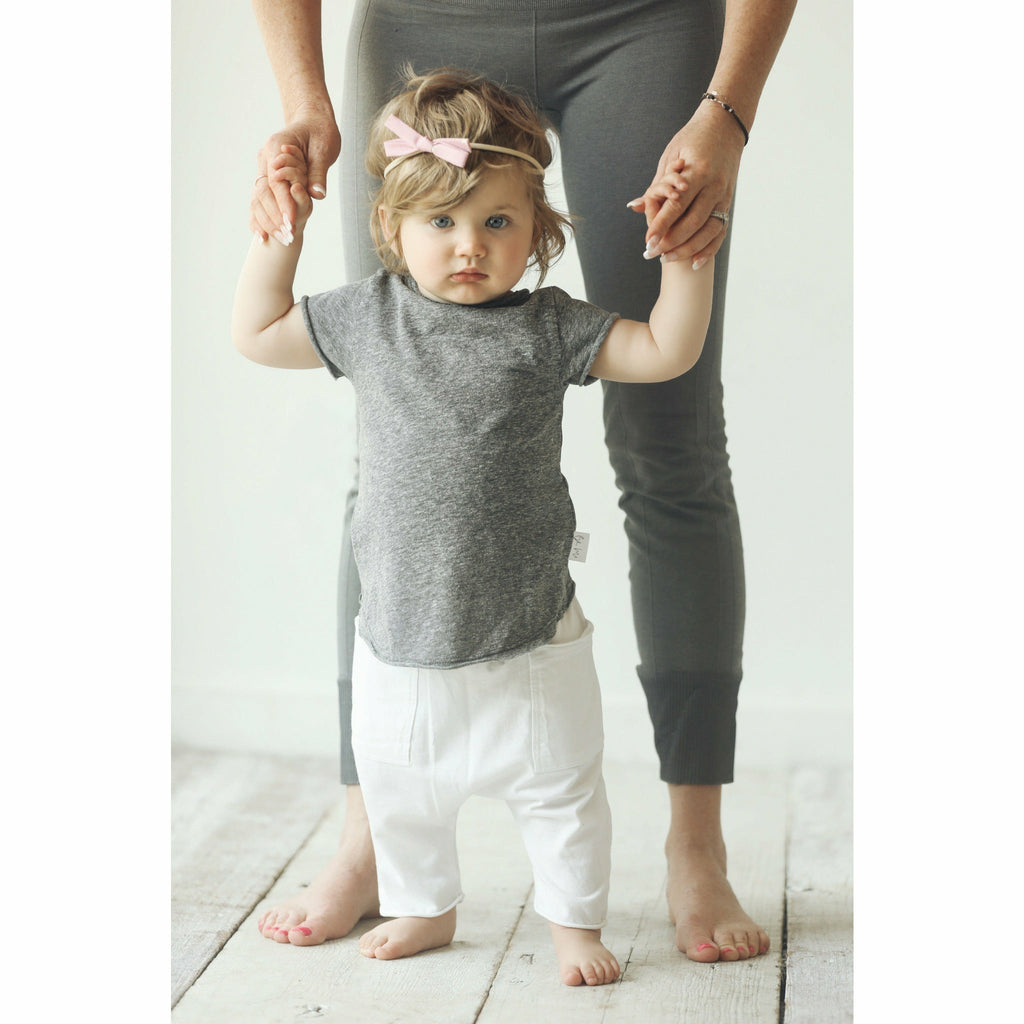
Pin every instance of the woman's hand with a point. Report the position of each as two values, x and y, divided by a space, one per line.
705 152
318 141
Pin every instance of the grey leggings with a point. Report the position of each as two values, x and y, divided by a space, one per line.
617 80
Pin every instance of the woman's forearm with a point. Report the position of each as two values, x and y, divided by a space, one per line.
753 34
291 31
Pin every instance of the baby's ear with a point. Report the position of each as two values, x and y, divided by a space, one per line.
390 232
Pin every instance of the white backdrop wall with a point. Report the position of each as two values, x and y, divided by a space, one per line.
261 458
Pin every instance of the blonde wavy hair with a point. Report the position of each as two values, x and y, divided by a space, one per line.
448 103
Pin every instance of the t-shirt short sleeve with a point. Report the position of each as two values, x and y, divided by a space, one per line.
329 317
582 329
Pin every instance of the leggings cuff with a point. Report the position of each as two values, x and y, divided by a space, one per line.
694 719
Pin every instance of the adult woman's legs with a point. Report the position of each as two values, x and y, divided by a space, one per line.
666 441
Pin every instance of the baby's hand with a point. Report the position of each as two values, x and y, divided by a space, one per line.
289 166
669 188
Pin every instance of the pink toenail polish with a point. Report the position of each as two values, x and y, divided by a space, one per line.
727 949
706 945
302 928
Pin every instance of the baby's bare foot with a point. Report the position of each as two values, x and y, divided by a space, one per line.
710 923
582 957
339 897
405 936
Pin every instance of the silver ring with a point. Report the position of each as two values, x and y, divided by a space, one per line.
720 215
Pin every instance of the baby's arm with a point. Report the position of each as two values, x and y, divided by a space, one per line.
671 342
266 323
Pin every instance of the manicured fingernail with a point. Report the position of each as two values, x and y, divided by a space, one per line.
670 257
705 945
649 252
302 928
319 190
258 237
635 202
697 264
288 225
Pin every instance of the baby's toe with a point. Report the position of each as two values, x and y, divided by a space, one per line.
390 950
572 975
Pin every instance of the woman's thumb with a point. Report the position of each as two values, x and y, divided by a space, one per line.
317 177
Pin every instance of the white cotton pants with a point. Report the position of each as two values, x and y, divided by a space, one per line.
527 730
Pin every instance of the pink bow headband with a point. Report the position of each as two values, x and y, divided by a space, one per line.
454 151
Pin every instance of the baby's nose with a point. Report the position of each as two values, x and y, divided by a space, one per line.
470 243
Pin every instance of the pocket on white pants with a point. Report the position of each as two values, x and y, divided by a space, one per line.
565 697
383 707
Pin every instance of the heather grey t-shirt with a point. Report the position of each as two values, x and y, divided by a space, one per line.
463 524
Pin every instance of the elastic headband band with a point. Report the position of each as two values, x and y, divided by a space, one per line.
454 151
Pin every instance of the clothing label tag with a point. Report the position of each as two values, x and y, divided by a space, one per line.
580 543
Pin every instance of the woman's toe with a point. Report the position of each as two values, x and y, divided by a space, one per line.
304 934
727 949
704 951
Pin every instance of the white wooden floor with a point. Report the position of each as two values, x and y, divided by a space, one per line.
249 829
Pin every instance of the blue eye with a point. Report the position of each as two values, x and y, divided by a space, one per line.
496 222
443 221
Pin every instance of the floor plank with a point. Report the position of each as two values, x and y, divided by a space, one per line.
236 821
231 841
819 969
255 981
658 983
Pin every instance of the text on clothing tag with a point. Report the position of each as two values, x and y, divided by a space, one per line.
580 543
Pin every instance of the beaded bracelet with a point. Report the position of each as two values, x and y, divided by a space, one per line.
743 128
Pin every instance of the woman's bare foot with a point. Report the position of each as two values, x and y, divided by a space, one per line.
710 923
339 897
406 936
582 957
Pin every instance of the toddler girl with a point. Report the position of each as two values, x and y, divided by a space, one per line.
474 671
